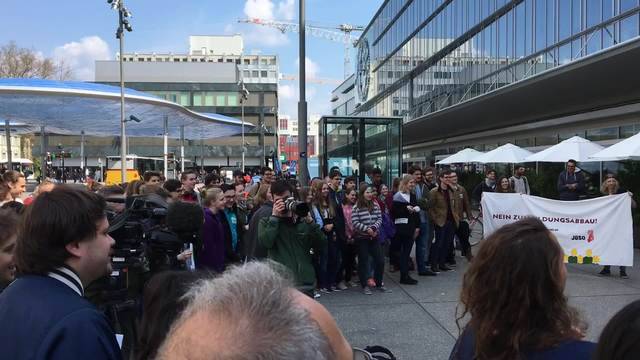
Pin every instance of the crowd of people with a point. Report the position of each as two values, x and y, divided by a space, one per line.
263 250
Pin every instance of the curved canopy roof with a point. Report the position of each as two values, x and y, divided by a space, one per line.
69 107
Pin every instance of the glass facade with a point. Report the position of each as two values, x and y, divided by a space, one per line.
357 145
420 56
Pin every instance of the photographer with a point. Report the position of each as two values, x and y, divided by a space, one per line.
289 239
64 246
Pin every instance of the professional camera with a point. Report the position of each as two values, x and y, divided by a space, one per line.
299 208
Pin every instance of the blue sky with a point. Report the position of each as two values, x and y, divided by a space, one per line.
81 31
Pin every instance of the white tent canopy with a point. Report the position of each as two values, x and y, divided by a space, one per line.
627 149
507 153
463 156
575 148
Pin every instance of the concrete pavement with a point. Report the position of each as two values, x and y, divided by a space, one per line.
419 322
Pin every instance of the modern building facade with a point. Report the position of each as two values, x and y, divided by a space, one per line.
209 79
483 73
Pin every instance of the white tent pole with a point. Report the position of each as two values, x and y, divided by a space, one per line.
182 148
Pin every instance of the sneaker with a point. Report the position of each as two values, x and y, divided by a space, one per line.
371 282
427 273
366 290
333 288
435 270
316 294
383 289
342 286
352 284
623 274
325 290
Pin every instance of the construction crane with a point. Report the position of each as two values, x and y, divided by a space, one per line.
343 35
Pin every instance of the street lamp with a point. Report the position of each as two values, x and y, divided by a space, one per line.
123 24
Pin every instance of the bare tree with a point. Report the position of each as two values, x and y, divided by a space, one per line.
16 62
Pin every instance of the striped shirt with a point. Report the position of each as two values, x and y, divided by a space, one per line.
362 219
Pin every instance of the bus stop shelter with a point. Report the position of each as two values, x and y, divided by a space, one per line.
359 144
89 109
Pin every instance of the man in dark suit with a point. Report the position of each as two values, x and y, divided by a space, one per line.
64 246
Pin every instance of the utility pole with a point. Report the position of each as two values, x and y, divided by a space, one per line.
123 24
303 172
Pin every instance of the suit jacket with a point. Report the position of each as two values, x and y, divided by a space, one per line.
438 210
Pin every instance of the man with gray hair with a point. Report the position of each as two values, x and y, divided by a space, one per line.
253 312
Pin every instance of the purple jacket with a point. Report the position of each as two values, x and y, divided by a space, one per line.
212 254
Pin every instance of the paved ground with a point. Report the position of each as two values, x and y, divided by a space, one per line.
418 322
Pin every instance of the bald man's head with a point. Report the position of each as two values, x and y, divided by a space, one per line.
252 312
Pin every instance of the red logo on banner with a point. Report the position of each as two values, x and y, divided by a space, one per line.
590 236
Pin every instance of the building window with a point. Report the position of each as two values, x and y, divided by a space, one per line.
185 99
263 73
272 74
263 62
629 130
208 99
546 140
232 99
272 61
229 60
197 99
220 100
255 73
602 134
283 124
246 61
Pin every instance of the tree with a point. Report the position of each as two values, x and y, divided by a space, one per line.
17 62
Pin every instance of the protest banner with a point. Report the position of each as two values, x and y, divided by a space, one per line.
593 231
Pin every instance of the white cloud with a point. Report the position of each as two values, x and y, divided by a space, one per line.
286 92
283 10
311 67
80 56
287 10
261 9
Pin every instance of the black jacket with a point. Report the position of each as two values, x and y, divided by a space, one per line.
251 248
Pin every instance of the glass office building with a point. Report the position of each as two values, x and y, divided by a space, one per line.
418 58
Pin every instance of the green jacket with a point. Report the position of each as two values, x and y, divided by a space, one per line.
290 245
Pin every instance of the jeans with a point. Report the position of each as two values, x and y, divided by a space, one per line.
405 239
444 237
349 252
366 248
322 267
334 258
423 245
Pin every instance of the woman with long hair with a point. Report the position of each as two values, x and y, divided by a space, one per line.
367 221
611 186
514 294
262 196
324 215
406 218
504 185
350 250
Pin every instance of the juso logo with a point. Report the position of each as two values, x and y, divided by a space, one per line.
578 237
590 236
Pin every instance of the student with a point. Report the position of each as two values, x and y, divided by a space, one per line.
513 293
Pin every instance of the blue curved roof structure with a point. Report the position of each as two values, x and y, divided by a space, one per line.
69 107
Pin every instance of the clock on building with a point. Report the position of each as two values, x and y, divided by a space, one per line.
363 74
